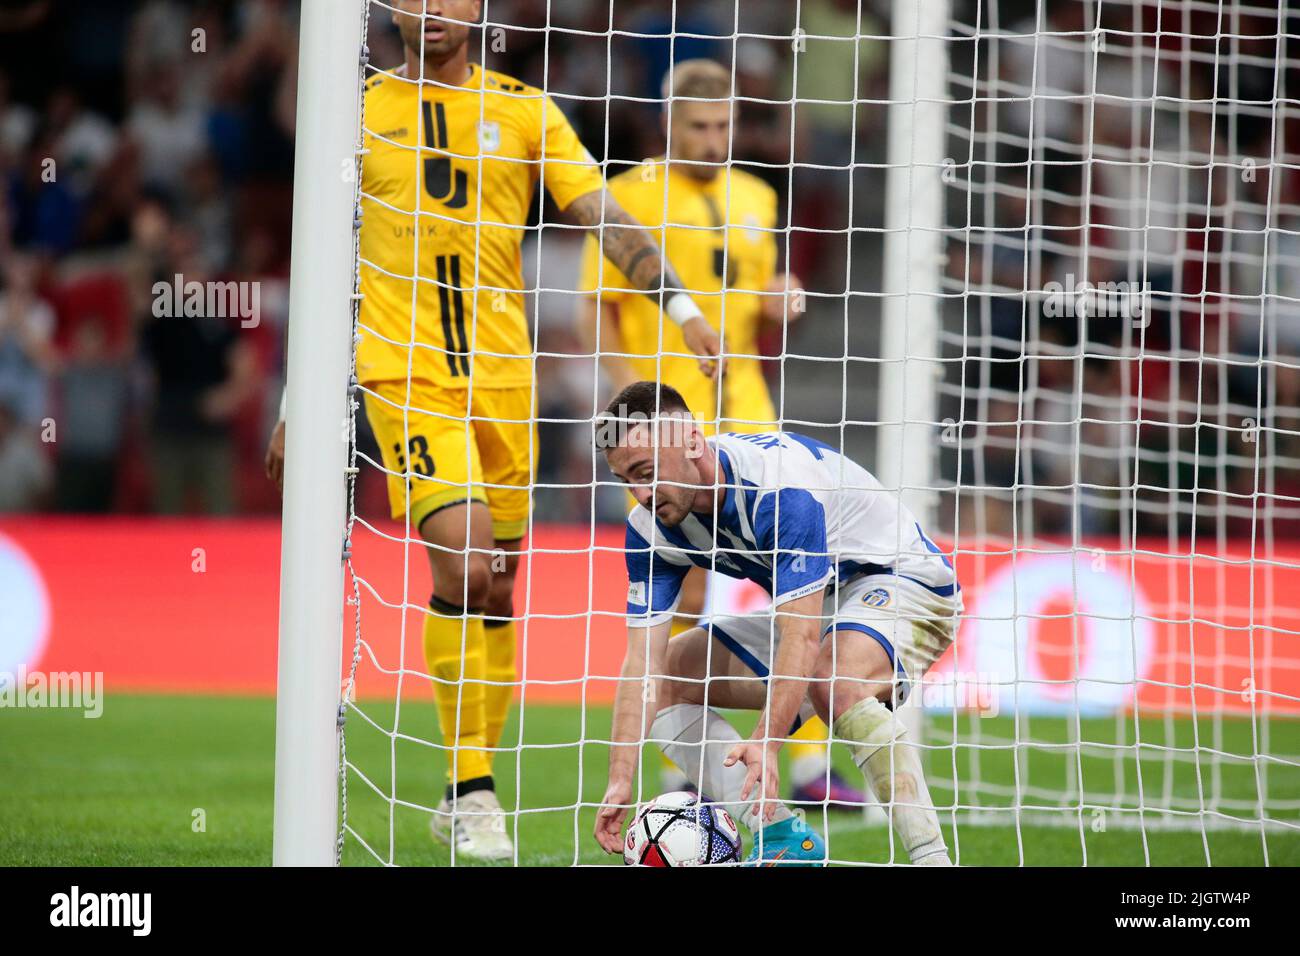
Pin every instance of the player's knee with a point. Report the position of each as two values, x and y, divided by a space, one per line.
670 693
501 593
832 694
691 605
466 584
819 691
478 582
676 654
685 660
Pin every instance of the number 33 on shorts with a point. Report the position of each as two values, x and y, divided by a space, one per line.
445 446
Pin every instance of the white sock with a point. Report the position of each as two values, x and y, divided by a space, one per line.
893 771
671 778
697 739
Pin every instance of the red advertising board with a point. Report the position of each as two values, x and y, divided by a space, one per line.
192 605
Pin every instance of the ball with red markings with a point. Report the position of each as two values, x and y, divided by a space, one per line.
676 829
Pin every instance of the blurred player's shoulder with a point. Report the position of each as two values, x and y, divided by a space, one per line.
641 176
387 81
510 99
639 188
754 185
753 192
496 80
385 92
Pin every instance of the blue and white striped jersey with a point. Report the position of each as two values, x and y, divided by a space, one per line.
794 515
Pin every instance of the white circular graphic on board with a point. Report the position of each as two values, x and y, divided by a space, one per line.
1058 634
24 610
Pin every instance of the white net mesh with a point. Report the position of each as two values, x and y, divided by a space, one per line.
1115 443
1122 406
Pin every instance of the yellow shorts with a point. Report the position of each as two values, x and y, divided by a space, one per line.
442 448
746 402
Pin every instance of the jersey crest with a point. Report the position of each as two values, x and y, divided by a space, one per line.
489 136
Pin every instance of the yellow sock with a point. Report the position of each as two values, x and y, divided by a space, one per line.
809 740
500 640
459 685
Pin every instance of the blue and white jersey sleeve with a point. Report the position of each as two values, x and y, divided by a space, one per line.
654 581
790 524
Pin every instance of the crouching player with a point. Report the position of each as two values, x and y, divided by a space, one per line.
864 604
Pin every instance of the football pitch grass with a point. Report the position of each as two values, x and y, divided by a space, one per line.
188 781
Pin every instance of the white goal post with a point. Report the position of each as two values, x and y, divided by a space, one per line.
330 63
912 307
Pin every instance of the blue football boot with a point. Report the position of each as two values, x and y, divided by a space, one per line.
788 843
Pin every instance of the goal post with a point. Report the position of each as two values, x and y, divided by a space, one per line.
914 223
316 444
913 266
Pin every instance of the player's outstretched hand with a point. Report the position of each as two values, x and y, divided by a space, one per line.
610 816
704 341
275 456
762 781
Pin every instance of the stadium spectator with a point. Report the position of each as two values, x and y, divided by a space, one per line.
44 211
837 65
27 356
203 372
94 393
17 123
25 472
665 32
169 132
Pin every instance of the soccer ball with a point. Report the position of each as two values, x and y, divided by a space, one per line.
677 830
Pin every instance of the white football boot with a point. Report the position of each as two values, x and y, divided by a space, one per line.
477 828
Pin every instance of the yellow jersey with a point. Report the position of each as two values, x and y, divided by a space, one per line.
720 237
446 190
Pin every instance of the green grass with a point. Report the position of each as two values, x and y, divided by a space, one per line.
124 789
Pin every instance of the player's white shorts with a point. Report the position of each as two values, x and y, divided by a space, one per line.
912 622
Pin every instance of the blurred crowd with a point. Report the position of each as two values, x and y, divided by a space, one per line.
1127 334
161 145
141 141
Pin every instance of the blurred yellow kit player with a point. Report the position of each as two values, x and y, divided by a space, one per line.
455 153
727 269
719 226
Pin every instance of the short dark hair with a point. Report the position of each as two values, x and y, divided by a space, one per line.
646 400
639 403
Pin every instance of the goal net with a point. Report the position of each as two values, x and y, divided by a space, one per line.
1118 437
1049 252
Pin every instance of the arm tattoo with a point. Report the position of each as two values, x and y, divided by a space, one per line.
627 243
648 249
